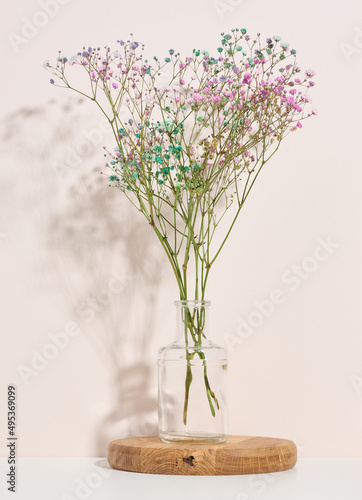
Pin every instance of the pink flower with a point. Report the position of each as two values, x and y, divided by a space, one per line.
182 82
310 73
299 125
197 96
216 98
114 85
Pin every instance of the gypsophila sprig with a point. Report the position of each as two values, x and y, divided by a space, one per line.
192 134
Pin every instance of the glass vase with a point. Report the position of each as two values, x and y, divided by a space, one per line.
192 381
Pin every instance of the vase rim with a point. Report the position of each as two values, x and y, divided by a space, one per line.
195 303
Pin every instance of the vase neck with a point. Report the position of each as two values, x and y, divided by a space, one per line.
192 321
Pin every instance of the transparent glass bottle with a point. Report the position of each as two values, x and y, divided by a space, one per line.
192 381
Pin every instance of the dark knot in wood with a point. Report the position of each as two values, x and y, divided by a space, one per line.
189 461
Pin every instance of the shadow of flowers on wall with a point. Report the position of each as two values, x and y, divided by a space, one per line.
97 258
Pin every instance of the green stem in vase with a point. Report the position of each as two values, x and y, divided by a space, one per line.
196 333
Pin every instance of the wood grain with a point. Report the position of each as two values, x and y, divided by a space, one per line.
238 455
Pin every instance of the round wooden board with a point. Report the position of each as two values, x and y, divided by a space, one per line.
238 455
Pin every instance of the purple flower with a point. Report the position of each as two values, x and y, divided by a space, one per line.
52 81
247 78
134 45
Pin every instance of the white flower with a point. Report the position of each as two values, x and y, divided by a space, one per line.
73 60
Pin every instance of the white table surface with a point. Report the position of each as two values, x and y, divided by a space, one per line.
91 478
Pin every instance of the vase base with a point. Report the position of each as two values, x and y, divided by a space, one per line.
237 455
184 438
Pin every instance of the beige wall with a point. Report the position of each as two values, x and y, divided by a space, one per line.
79 268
